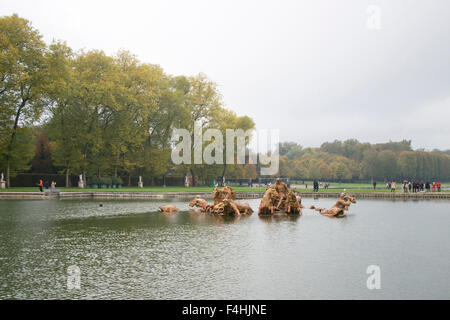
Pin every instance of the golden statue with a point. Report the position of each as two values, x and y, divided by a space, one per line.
224 203
341 205
267 204
169 209
282 190
293 205
199 204
279 198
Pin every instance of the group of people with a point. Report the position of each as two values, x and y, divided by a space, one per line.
415 186
44 184
316 185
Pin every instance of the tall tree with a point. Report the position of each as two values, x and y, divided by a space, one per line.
407 161
64 125
23 78
202 100
387 164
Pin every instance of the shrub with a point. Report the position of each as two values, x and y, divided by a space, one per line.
116 180
94 180
106 181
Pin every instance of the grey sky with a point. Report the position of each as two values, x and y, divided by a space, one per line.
310 68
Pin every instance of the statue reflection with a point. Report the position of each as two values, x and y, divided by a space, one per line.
218 219
279 217
200 216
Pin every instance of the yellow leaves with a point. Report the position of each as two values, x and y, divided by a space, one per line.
102 108
23 74
202 97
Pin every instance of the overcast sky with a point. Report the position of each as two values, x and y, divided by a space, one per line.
316 70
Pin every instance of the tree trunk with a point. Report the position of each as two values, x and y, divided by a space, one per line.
193 178
115 167
67 178
8 185
224 171
84 177
129 180
13 136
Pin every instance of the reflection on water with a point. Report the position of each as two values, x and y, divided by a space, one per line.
127 250
279 217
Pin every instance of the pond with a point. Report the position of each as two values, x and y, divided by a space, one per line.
127 250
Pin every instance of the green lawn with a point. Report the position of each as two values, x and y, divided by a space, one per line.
191 189
350 187
343 184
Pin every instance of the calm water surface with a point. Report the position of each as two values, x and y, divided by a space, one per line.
127 250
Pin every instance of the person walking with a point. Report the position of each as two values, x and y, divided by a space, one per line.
409 186
393 186
316 186
374 185
438 184
434 186
53 185
41 184
427 186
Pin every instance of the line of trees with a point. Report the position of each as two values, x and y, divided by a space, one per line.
94 114
352 160
86 112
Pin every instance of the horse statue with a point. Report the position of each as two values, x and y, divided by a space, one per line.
224 203
199 204
168 209
341 205
229 207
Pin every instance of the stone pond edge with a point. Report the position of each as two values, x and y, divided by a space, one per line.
239 195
